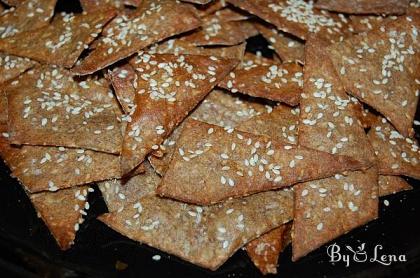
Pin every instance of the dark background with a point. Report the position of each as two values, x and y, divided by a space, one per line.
28 250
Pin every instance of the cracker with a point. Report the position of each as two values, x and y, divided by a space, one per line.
365 23
12 66
12 2
364 6
278 82
397 155
30 15
205 236
212 164
3 110
62 212
215 31
210 8
297 17
264 251
61 42
228 14
122 79
380 68
392 184
91 6
288 48
125 35
328 208
199 2
48 107
169 87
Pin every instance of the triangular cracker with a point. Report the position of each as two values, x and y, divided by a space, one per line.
328 208
61 42
205 236
298 17
122 79
12 66
125 35
278 82
214 163
265 250
30 15
48 107
397 155
62 212
392 184
364 6
380 68
169 87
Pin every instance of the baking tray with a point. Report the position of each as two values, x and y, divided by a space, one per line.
28 250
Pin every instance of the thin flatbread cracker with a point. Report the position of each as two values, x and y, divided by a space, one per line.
297 17
210 8
48 107
200 2
3 111
366 23
30 15
122 80
224 163
228 14
288 48
62 212
380 68
169 87
364 6
12 66
91 6
61 42
264 251
328 208
205 236
125 35
389 185
278 82
397 155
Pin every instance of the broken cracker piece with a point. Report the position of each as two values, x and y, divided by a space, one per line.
389 185
12 66
48 107
224 163
200 2
154 21
169 87
380 68
205 236
62 212
364 6
122 80
61 42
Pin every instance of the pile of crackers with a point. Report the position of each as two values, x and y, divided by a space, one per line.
198 146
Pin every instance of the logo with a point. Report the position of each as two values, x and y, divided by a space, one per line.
350 255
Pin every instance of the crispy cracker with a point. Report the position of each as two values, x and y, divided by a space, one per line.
122 80
169 87
210 8
264 251
30 15
91 6
61 42
366 23
297 17
125 35
200 2
288 48
364 6
219 108
118 193
380 68
62 212
12 66
397 155
278 82
48 107
224 163
228 14
328 208
389 185
205 236
3 110
215 31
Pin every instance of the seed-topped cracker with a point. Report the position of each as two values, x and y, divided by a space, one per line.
92 6
226 163
328 208
364 6
397 155
380 68
62 212
365 23
154 21
392 184
206 236
48 107
288 48
29 15
61 42
12 66
265 250
168 88
278 82
200 2
297 17
122 79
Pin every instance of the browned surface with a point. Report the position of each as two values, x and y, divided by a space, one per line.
12 66
364 6
392 184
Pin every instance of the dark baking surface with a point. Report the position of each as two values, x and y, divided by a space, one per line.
28 250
